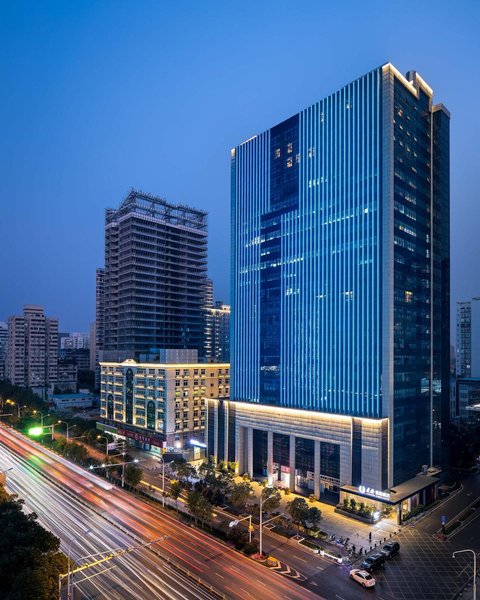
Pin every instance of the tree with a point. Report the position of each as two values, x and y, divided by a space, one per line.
298 511
175 491
271 499
183 470
133 475
314 516
207 468
199 507
240 494
30 561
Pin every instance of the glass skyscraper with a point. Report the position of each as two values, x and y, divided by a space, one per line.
340 288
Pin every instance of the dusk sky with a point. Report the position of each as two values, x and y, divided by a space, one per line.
100 97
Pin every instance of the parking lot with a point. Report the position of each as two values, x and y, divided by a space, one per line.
423 570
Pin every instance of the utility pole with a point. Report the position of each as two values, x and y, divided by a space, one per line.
110 555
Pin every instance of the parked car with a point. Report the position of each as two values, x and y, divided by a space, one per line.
390 549
375 560
362 577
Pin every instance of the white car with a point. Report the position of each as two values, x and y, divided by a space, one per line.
363 577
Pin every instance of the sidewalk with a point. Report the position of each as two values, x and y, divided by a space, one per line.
341 526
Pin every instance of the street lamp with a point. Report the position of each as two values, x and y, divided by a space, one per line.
69 577
13 403
262 502
113 465
42 415
250 526
474 569
102 437
68 427
162 459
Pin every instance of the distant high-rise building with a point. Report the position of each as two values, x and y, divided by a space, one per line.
75 341
468 338
217 336
32 350
208 293
340 295
97 328
155 276
93 346
3 347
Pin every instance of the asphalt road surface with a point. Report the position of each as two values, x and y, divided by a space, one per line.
73 501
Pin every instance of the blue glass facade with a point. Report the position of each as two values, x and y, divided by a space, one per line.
340 263
306 258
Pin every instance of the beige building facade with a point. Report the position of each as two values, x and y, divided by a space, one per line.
160 404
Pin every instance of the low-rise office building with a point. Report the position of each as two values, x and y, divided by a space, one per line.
160 401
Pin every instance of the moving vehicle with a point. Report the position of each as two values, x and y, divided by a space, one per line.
390 549
362 577
375 560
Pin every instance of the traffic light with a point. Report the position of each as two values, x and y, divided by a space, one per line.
35 431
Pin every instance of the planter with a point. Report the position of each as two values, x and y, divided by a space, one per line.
355 516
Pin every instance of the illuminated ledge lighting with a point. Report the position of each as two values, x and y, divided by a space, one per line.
133 363
409 84
249 140
250 406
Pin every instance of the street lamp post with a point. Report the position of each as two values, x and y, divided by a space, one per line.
68 428
474 569
113 465
42 416
262 501
19 408
163 480
69 576
250 526
102 437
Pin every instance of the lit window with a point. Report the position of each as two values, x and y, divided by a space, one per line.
277 153
408 296
289 162
289 147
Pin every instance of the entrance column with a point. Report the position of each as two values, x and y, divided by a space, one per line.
270 457
316 469
250 451
240 449
292 463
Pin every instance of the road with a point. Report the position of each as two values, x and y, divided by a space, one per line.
137 575
83 533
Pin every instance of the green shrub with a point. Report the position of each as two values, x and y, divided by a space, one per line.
251 548
312 498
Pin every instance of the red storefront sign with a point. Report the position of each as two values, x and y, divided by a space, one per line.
284 469
141 437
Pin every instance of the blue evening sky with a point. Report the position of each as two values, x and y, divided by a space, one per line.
99 97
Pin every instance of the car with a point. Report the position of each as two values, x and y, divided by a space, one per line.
362 577
390 549
375 560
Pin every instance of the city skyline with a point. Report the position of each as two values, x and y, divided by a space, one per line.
109 129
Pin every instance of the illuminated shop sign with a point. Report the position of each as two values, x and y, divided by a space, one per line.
375 493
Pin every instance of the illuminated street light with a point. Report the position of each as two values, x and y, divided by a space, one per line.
35 431
68 428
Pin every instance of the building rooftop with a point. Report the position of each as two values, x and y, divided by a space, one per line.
150 206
